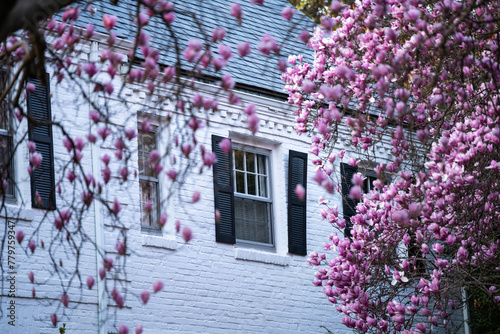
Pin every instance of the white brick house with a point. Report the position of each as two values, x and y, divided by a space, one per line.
246 273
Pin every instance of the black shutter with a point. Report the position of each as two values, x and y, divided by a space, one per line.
297 174
348 204
223 193
40 132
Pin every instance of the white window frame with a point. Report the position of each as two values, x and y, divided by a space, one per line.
269 199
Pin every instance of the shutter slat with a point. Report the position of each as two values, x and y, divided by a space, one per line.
297 174
348 204
42 174
223 193
42 179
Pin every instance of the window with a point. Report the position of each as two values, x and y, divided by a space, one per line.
349 204
252 198
148 181
368 183
6 157
243 197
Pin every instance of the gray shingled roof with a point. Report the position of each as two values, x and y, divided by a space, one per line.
255 70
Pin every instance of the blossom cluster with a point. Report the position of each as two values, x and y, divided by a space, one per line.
422 78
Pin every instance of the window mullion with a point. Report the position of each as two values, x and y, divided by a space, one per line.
255 160
245 169
235 187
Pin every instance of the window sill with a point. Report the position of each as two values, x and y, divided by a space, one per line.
14 212
159 242
264 257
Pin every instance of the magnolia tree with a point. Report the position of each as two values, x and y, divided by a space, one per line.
421 77
46 36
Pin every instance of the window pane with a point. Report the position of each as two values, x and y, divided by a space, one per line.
147 143
5 166
368 184
4 121
251 184
149 191
238 159
251 162
262 186
252 220
261 164
240 182
4 116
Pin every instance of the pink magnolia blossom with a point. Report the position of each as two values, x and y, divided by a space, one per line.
124 175
217 216
89 31
30 88
36 159
304 36
236 11
108 263
120 247
244 49
123 329
145 296
32 245
208 158
225 51
91 138
168 74
157 286
356 192
154 157
196 196
130 134
163 220
148 206
282 65
65 299
268 45
104 132
109 21
169 17
227 83
172 174
300 192
253 123
90 282
186 149
31 147
287 13
31 276
102 273
218 34
20 236
225 145
90 69
146 125
116 207
187 234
